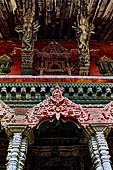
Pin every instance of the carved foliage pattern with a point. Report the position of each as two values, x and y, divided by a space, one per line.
108 111
7 115
56 106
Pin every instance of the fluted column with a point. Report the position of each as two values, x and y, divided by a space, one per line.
94 152
103 150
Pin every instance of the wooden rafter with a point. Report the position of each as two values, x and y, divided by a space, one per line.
62 17
60 21
70 19
45 18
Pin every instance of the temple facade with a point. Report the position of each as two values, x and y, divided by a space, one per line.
56 85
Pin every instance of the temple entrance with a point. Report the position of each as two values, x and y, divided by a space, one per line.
58 146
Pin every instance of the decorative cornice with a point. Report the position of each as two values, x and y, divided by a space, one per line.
88 94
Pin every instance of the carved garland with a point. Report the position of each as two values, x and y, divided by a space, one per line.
56 106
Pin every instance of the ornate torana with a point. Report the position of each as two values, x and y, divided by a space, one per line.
54 59
56 106
5 64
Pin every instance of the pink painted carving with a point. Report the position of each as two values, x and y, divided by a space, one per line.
7 115
56 106
108 111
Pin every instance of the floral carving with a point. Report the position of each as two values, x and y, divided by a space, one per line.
108 111
56 106
7 115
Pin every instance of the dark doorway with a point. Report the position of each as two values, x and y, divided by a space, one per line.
59 146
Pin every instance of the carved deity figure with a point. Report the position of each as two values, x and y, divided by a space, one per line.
5 64
29 27
83 32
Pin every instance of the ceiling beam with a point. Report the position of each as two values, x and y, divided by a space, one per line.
70 19
109 31
105 27
53 18
62 16
45 18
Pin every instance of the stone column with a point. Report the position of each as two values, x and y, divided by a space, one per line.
94 152
14 152
103 150
23 153
20 136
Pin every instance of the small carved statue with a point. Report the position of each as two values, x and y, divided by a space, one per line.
5 64
105 66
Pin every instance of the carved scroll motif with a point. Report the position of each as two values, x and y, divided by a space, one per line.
57 107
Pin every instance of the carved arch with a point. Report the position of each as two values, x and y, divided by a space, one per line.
7 115
57 107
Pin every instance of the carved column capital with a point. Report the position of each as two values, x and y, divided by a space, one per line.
19 138
22 129
92 129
